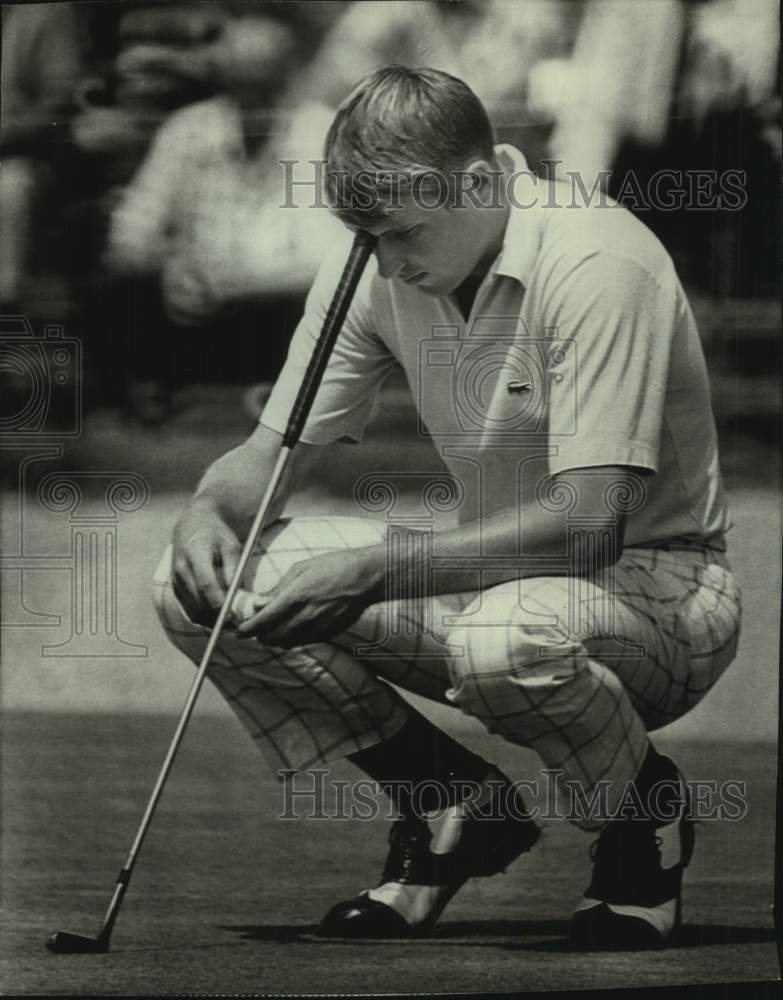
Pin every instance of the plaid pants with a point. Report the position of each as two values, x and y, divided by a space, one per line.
577 668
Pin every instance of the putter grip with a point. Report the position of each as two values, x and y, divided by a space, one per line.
335 317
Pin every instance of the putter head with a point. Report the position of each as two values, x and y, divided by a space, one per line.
65 943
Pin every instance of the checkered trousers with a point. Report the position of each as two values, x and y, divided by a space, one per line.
579 669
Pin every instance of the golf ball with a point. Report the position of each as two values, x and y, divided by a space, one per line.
242 607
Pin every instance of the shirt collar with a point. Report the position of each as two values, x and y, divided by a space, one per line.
522 237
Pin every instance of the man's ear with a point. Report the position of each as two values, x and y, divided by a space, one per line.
487 173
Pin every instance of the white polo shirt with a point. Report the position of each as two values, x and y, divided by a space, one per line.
580 352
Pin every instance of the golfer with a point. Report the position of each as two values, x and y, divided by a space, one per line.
582 600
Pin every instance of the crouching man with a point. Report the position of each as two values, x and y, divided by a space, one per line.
582 600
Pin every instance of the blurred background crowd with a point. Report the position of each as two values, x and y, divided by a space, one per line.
141 177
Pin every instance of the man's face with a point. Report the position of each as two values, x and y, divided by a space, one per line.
433 249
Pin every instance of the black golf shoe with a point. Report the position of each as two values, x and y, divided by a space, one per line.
430 858
634 899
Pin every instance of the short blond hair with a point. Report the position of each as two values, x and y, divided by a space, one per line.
395 127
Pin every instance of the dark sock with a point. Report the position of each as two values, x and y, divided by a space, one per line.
421 768
657 784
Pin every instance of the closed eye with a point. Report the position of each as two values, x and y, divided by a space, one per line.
403 234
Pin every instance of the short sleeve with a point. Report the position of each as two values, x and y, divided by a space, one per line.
359 362
614 323
137 228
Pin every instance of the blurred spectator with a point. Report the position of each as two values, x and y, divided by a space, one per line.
618 83
633 64
732 56
491 44
457 37
204 209
164 49
691 87
191 206
41 65
183 112
278 250
189 218
154 58
726 110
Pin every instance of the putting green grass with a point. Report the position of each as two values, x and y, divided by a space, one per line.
226 896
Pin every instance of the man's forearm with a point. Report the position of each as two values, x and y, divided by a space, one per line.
233 489
234 485
504 546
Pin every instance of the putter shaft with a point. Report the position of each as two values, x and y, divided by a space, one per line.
63 942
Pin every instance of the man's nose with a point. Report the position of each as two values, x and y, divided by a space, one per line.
389 261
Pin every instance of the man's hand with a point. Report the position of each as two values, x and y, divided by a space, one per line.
187 296
319 598
206 553
111 130
207 536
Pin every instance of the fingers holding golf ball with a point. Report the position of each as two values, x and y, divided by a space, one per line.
204 558
244 606
318 598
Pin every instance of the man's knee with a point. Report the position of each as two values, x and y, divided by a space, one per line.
175 622
502 667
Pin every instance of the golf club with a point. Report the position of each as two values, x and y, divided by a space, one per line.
64 942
